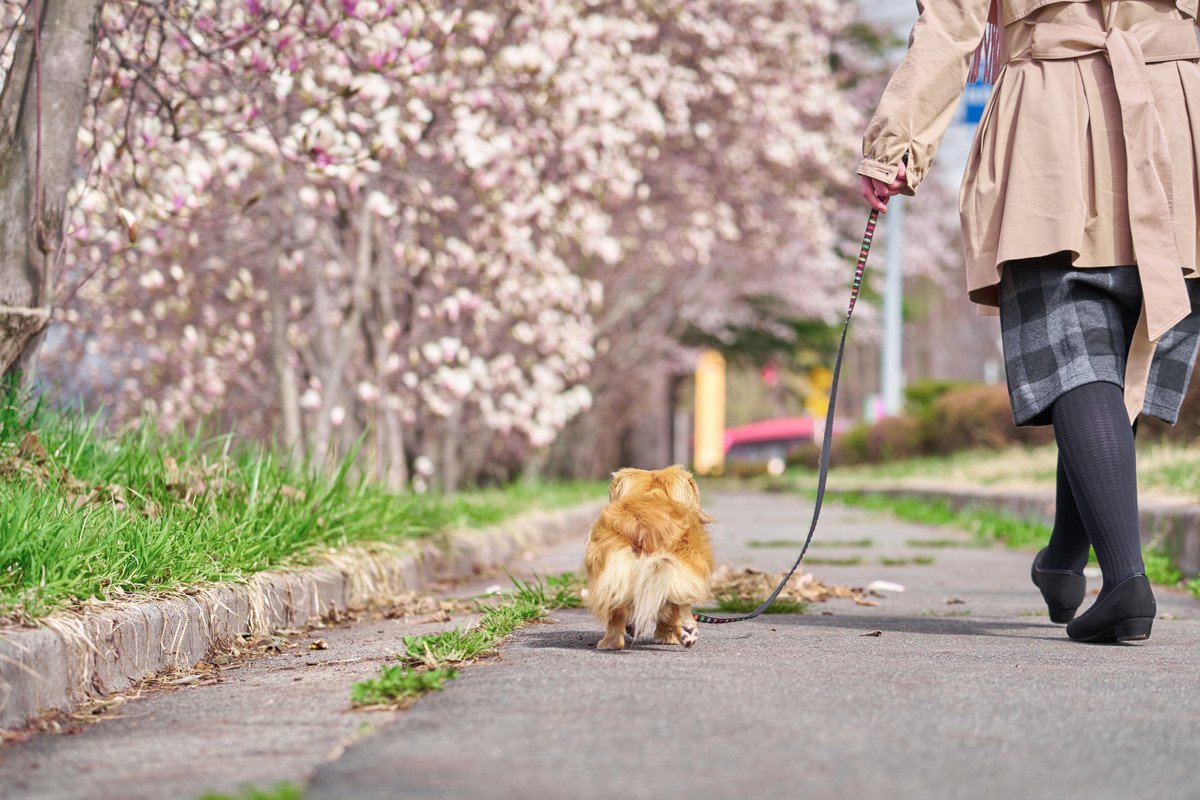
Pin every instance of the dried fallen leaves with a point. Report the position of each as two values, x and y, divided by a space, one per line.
412 604
752 584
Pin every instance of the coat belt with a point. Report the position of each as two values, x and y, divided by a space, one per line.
1149 187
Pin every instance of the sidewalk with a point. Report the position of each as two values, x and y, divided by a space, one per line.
72 657
968 690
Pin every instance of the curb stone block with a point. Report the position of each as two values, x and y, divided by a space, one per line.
74 656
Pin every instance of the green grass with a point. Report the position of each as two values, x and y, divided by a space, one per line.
1169 467
842 543
987 526
923 560
940 543
429 661
281 791
1159 568
732 604
84 515
990 526
396 683
833 561
798 543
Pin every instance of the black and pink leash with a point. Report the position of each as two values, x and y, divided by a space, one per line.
824 463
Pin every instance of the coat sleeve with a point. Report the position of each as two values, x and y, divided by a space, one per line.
919 101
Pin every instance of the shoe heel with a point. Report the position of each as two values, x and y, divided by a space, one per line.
1132 630
1062 615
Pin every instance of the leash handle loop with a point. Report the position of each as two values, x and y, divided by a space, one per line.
824 462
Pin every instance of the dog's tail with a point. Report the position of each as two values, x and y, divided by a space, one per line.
659 578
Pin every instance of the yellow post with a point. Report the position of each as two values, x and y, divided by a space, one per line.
709 457
817 403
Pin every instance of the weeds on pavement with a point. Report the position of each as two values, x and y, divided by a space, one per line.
991 526
832 561
988 526
732 604
798 543
397 684
923 560
428 661
941 543
281 791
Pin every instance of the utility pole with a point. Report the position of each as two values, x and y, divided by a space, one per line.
891 381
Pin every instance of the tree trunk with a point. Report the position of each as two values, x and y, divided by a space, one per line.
285 372
451 467
32 221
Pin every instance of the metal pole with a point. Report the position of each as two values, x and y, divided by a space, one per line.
891 378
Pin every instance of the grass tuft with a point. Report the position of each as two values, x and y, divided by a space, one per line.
923 560
942 543
281 791
832 561
1159 568
798 543
733 604
397 684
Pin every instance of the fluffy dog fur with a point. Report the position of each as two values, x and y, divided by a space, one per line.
648 558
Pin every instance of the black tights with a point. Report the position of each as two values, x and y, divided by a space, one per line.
1097 484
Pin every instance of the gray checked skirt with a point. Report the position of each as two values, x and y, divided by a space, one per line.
1063 326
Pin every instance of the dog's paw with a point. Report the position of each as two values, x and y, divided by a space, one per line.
617 643
689 635
666 636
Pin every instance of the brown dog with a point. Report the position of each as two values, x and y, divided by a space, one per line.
648 557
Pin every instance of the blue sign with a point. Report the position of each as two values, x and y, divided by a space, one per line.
975 97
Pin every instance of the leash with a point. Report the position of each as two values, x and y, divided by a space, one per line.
824 463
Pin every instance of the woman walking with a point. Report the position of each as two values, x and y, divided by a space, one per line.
1079 217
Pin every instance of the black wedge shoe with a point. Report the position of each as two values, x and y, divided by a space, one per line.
1062 589
1123 615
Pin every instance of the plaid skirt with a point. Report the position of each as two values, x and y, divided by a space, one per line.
1063 326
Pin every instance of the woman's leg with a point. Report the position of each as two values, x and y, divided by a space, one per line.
1069 543
1095 442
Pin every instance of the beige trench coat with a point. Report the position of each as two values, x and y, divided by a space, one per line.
1089 143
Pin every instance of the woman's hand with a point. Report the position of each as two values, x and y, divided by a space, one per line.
876 193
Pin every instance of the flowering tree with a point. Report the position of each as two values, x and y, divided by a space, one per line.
442 231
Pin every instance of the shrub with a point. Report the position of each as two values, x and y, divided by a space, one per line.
851 446
979 416
921 403
894 438
806 454
745 469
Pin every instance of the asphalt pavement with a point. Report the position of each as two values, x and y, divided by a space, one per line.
958 686
983 698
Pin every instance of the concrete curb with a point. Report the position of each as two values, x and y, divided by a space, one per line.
1173 525
72 657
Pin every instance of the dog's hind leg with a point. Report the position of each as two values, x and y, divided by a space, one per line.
614 634
668 628
689 631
